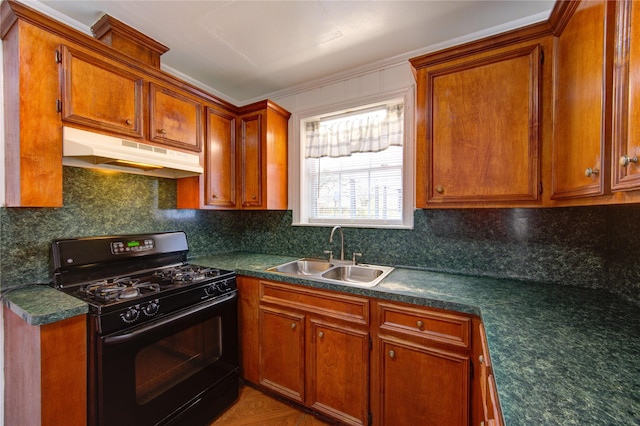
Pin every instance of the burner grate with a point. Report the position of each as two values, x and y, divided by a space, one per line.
117 289
187 274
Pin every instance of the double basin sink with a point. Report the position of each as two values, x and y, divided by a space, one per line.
338 272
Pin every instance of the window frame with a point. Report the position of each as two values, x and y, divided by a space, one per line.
299 199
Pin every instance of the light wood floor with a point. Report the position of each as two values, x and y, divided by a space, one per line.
257 409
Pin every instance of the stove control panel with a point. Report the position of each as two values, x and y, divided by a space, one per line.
132 313
132 246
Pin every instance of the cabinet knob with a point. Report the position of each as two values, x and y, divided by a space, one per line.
440 189
625 160
392 354
214 196
420 324
162 131
128 122
293 325
481 359
253 197
321 335
590 172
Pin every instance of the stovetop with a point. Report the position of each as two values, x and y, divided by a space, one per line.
158 282
129 280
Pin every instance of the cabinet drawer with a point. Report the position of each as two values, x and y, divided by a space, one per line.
426 324
340 306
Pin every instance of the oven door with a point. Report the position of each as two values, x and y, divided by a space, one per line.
181 369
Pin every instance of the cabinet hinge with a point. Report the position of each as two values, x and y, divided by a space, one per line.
58 57
58 105
540 187
370 418
370 344
541 56
471 369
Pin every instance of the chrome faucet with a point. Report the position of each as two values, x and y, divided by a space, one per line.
341 240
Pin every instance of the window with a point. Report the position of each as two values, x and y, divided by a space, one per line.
354 167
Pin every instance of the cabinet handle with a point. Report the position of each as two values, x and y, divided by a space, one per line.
589 172
253 197
321 335
625 160
420 324
392 354
162 131
128 122
481 359
440 189
293 325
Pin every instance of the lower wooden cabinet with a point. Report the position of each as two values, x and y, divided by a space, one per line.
338 371
364 361
308 345
45 371
281 355
423 366
421 385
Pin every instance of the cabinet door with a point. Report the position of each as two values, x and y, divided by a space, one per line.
478 134
580 156
282 352
221 159
626 132
423 385
175 119
489 395
338 373
251 160
100 95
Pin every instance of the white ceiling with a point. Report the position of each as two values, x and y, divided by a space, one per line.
249 50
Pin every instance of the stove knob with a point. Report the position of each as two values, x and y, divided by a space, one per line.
151 309
131 315
210 290
225 286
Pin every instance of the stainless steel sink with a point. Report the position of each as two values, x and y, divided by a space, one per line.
345 273
354 273
303 267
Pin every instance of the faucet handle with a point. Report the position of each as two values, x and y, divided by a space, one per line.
355 262
330 253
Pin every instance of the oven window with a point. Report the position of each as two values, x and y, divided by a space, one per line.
169 361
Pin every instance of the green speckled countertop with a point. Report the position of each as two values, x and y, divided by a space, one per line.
561 355
41 304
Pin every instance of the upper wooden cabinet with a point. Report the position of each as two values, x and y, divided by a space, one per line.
478 126
580 148
32 136
220 169
175 119
262 156
626 105
246 161
99 94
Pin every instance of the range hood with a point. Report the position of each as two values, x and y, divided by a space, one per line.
93 150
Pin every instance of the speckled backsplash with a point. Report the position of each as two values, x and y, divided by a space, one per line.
582 246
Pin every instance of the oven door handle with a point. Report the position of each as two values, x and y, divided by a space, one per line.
128 336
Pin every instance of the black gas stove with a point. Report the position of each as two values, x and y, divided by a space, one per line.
130 279
162 333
